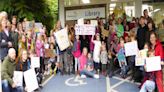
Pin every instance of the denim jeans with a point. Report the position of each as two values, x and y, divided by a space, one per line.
148 86
6 87
87 73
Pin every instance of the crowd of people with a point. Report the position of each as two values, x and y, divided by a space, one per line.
87 55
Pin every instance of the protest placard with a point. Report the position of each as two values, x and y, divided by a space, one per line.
29 25
105 33
131 48
140 57
35 62
86 29
18 78
30 80
49 53
153 64
62 39
94 22
80 21
38 25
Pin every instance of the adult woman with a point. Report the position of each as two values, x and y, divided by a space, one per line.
5 39
157 46
22 63
150 29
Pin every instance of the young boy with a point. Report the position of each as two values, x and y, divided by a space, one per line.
149 84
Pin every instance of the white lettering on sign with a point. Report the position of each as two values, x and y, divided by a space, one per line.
85 13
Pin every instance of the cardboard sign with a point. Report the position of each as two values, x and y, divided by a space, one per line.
153 64
62 39
131 48
49 53
85 29
30 80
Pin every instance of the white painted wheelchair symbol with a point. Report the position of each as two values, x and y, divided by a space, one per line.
75 81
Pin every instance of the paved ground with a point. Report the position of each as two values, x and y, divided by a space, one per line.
71 84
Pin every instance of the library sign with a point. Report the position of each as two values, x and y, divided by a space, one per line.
90 13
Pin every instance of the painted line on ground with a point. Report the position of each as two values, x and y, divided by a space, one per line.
126 80
119 83
108 84
46 81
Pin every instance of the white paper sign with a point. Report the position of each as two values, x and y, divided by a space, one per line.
131 48
38 25
62 39
86 29
153 64
94 22
80 21
30 80
18 78
35 62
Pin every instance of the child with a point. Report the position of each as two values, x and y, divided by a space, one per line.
121 58
76 52
110 64
149 84
96 52
39 48
131 59
104 59
86 65
22 44
51 61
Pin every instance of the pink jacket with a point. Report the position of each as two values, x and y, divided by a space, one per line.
82 61
39 48
77 53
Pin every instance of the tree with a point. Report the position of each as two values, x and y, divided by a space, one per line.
45 11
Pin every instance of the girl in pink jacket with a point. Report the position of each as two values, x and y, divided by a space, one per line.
39 48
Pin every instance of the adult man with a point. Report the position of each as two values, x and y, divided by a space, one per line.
8 67
141 33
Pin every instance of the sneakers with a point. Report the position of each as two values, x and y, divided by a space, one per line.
96 76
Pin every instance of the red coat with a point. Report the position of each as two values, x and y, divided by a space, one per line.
158 74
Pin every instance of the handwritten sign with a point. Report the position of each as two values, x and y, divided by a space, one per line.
85 29
30 80
140 58
131 48
62 39
153 64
